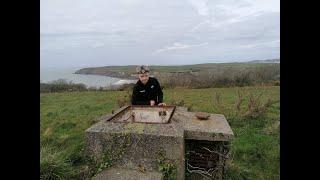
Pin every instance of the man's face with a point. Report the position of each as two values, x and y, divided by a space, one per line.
144 78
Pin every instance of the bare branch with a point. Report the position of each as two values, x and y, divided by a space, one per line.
215 152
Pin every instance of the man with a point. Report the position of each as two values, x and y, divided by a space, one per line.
147 90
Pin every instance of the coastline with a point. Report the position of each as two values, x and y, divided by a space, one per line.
119 75
120 82
124 81
91 80
125 78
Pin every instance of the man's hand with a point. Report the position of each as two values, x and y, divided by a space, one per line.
162 104
152 102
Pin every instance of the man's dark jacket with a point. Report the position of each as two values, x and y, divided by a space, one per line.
143 94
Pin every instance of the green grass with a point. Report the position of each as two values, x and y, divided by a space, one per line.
65 116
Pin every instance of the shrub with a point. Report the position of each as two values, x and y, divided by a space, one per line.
255 107
224 77
61 85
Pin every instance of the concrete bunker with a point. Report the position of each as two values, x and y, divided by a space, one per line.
145 139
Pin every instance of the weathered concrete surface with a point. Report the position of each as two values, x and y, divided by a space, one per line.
139 144
215 128
127 174
136 145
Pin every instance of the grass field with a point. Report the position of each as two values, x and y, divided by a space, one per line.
65 116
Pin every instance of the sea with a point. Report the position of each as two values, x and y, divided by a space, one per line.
49 74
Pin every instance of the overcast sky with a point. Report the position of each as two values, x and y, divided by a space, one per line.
81 33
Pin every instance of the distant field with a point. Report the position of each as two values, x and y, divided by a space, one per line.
65 116
213 67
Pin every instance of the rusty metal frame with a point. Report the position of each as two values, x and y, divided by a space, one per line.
141 106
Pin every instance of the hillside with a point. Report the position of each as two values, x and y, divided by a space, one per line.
128 72
265 61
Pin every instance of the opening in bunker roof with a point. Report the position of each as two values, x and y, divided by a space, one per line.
144 114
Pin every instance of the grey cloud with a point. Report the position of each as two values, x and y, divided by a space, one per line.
114 32
177 46
201 6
